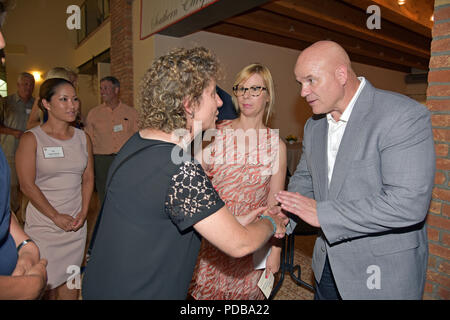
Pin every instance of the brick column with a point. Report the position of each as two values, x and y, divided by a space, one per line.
122 47
438 102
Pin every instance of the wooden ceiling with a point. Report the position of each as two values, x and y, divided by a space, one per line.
402 43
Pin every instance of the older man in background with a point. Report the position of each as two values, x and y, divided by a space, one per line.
109 126
14 112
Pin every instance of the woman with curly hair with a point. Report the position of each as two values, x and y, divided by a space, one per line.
156 206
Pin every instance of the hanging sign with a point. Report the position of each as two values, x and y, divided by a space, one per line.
156 15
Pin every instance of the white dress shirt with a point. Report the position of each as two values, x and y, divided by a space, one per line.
336 130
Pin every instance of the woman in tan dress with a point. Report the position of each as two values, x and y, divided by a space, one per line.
54 166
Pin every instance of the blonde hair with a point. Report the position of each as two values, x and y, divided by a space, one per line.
263 71
61 72
180 74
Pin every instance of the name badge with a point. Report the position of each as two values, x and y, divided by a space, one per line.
53 152
28 111
118 128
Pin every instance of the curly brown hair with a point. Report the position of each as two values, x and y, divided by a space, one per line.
181 74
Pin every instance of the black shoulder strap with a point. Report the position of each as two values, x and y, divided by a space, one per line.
111 173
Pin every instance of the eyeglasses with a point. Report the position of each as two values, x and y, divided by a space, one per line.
255 91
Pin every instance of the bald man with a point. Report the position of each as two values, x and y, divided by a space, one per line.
365 178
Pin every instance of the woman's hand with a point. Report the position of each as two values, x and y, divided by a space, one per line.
64 221
280 220
246 219
78 222
273 262
280 223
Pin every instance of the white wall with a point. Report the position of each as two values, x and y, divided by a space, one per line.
234 54
37 39
143 52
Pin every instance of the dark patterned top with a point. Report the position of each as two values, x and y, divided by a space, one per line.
190 192
146 246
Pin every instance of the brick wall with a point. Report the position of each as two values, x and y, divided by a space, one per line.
438 102
122 47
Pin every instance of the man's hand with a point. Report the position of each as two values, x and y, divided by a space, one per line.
276 211
17 134
303 207
273 261
24 264
280 223
38 276
78 222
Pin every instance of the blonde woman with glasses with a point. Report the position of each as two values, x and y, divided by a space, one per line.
247 166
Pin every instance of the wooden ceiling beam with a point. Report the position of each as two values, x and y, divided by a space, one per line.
272 23
277 40
352 21
236 31
414 14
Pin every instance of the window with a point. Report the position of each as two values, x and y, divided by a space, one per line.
3 88
93 13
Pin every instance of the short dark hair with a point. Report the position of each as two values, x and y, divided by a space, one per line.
48 89
113 80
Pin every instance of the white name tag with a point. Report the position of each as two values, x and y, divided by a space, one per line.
266 285
28 111
118 128
53 152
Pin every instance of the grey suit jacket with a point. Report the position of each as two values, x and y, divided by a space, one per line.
372 214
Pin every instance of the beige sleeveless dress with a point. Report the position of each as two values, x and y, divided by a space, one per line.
58 175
